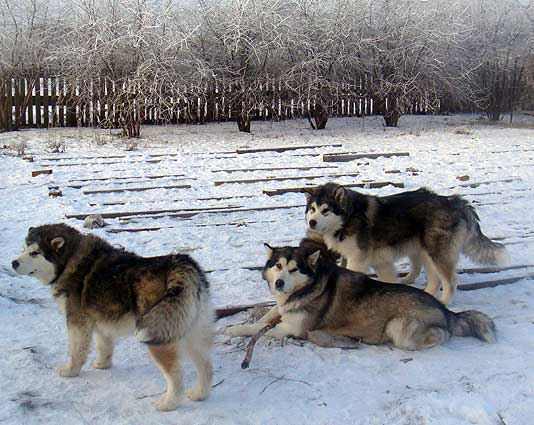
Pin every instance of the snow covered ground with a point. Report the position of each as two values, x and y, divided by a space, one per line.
462 382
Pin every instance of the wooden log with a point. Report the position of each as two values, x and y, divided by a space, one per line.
348 156
39 172
235 170
136 189
280 149
368 185
268 179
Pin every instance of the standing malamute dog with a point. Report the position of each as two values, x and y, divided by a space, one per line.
322 302
109 292
373 231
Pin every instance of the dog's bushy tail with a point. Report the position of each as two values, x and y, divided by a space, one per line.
473 323
478 247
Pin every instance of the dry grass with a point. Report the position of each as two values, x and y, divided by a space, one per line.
56 144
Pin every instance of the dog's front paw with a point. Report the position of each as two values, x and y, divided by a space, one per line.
166 404
237 330
197 393
68 371
102 364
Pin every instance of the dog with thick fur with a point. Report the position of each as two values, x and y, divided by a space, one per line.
110 293
317 300
374 231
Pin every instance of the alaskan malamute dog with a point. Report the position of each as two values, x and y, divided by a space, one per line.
109 292
320 301
373 231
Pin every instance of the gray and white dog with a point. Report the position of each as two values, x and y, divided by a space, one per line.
330 305
373 231
107 292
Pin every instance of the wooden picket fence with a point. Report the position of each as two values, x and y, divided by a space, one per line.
54 102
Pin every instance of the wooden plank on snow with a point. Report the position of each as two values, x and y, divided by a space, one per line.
268 179
365 185
280 149
136 189
218 211
494 283
236 170
349 156
95 179
144 213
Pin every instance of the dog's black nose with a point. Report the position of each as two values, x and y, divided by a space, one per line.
15 264
279 284
312 223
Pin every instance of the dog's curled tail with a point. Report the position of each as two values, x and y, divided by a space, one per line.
473 323
478 247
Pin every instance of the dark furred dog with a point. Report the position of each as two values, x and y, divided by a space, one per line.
373 231
318 300
111 293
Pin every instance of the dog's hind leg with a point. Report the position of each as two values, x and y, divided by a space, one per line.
415 270
166 358
408 333
328 339
386 272
433 282
197 347
104 351
447 273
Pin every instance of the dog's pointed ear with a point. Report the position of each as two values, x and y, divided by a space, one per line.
308 192
57 243
269 249
313 258
340 194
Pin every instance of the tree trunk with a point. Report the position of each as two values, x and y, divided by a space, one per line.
243 123
318 117
392 114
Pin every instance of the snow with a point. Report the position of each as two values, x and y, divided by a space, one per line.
462 382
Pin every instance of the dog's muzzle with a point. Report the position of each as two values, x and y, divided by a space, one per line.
279 284
312 223
15 264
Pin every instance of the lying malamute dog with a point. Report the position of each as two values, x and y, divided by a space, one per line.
373 231
110 293
318 300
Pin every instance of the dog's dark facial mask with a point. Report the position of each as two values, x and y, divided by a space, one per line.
45 254
288 269
324 208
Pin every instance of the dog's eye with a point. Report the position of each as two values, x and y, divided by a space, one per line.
292 270
34 254
325 211
279 266
312 210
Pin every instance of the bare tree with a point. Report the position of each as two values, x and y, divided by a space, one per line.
27 29
499 50
239 42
